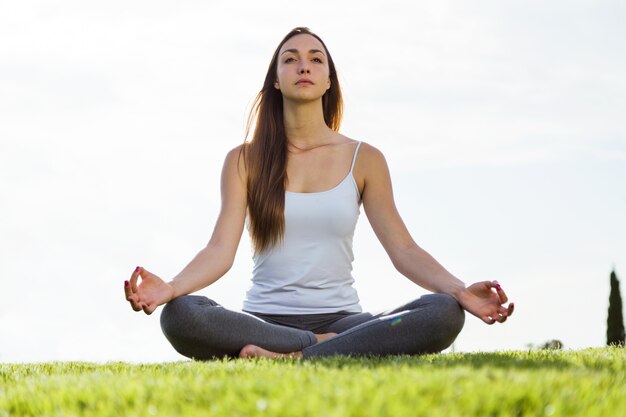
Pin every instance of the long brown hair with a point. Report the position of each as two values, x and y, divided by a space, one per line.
265 155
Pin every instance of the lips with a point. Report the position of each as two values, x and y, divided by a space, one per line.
304 81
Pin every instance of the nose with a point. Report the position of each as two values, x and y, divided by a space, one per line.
304 69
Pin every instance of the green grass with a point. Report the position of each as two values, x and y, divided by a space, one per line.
586 383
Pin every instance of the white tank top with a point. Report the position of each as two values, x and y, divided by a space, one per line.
311 272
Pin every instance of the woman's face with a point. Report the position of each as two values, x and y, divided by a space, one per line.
302 73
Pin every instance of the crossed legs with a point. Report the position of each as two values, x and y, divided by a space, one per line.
202 329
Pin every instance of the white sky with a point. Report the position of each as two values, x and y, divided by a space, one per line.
502 122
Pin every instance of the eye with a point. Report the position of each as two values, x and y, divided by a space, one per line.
318 60
290 59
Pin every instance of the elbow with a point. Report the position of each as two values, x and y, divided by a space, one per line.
398 263
229 259
225 263
222 257
228 264
401 257
401 267
395 261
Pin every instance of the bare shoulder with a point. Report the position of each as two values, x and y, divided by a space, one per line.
235 162
366 151
236 152
369 154
370 163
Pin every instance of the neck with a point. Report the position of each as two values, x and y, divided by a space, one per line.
304 124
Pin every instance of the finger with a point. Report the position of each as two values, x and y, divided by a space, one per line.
500 318
130 297
133 279
134 303
504 313
511 308
488 320
127 290
500 291
147 308
500 315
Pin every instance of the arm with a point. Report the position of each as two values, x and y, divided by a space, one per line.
411 260
213 261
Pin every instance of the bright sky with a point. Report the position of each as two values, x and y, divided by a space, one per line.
502 123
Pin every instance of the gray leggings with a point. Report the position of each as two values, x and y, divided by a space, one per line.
200 328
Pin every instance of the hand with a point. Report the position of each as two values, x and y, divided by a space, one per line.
486 304
149 294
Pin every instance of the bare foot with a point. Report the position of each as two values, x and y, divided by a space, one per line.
324 336
253 351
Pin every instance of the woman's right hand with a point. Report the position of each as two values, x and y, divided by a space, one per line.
150 293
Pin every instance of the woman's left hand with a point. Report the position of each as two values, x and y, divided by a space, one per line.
481 300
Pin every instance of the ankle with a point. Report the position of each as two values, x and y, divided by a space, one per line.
324 336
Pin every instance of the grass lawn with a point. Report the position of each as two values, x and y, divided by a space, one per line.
586 383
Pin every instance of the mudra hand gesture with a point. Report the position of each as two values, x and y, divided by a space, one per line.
150 293
481 300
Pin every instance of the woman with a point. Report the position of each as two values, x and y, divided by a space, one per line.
299 185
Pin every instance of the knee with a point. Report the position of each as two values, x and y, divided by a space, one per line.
451 311
448 318
178 316
174 310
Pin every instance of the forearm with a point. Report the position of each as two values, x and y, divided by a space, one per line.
420 267
209 265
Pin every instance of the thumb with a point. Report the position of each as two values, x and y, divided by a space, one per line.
148 308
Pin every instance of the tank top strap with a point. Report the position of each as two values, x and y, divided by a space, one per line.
358 145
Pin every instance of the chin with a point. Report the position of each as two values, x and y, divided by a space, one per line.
304 97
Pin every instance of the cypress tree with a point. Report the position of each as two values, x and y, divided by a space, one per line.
615 322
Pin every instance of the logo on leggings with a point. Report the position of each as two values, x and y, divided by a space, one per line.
395 319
